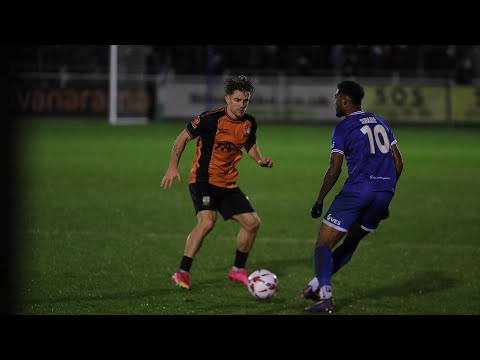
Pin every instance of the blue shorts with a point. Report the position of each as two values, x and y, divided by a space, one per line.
367 209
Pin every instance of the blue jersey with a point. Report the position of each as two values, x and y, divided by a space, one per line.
366 140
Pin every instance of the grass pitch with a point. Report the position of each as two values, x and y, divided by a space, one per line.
96 233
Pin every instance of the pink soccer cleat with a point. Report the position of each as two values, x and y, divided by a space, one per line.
240 275
182 279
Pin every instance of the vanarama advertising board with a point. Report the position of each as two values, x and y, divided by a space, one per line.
407 103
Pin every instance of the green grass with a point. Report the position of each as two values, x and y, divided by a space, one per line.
98 235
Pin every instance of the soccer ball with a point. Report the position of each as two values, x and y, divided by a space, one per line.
262 284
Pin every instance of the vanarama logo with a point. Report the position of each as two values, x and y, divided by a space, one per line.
333 220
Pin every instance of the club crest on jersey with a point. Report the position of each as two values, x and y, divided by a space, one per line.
195 123
246 132
205 200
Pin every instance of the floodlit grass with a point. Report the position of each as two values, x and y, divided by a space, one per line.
97 234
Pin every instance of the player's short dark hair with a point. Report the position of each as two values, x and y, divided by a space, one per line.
238 82
352 89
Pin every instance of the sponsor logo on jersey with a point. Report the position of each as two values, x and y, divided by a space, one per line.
225 145
333 220
379 177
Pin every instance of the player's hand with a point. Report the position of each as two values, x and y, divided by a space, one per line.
170 175
316 210
265 162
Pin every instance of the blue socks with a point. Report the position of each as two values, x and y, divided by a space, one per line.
323 265
323 270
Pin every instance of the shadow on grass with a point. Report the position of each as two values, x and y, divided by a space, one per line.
422 283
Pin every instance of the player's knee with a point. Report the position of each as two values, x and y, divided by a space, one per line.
253 224
207 224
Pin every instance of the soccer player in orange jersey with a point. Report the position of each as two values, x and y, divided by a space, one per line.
222 135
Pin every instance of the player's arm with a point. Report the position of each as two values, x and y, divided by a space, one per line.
254 153
331 176
177 151
397 157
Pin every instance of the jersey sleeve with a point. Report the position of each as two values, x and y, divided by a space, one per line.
252 138
338 140
391 137
194 128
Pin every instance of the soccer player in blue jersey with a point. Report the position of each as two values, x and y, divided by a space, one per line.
374 166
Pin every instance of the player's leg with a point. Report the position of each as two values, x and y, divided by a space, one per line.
328 237
249 225
340 216
368 221
375 211
320 286
343 253
235 205
205 223
203 197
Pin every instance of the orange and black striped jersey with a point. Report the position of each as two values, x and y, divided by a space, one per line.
219 146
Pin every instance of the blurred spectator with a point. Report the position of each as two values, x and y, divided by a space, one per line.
404 60
380 57
476 62
320 63
302 64
352 63
269 57
363 60
189 59
152 59
464 74
338 59
439 61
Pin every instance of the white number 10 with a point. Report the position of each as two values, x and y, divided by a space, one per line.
382 144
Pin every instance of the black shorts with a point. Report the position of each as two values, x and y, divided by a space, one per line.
227 202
